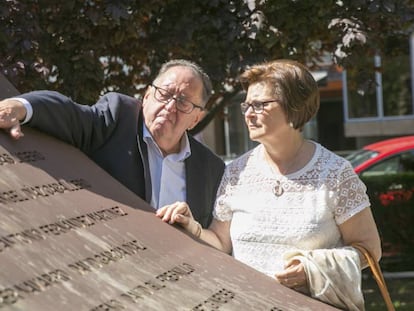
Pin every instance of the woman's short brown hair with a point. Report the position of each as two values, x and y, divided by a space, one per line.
291 83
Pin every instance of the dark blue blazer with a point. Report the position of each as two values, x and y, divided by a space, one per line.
110 133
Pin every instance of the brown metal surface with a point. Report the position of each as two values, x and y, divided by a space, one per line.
73 238
6 88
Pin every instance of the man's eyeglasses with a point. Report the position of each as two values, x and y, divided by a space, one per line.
182 104
257 107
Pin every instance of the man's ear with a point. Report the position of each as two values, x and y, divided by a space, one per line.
147 94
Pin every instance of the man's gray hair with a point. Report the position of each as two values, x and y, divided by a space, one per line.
207 86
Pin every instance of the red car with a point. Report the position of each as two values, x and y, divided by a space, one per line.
395 155
390 156
387 168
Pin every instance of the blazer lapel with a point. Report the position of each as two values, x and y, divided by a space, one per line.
142 146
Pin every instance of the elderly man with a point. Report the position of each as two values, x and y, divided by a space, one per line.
144 144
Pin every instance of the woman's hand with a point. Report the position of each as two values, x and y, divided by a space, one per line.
218 234
179 212
293 276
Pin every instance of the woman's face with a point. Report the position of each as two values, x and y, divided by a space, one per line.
272 122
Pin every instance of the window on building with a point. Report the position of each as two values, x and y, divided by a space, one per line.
236 133
386 94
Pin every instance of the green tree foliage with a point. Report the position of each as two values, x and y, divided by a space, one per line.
84 48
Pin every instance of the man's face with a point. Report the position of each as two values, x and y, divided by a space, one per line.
165 123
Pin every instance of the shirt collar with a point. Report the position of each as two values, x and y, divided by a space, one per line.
185 150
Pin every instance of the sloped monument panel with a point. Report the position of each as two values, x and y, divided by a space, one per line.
73 238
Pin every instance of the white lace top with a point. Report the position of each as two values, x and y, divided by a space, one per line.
305 214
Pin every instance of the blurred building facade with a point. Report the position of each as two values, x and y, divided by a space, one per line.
355 109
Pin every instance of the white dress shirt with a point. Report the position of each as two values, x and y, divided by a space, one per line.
29 109
167 173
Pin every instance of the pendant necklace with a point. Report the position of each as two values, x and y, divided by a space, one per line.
278 188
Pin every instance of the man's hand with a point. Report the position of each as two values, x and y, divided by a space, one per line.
11 113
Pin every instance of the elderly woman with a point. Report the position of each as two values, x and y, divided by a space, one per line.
290 208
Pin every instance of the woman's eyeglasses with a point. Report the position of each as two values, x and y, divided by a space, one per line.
257 106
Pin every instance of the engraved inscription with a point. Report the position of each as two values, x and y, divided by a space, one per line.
26 236
214 302
33 192
113 305
97 261
6 158
175 273
29 156
142 290
53 188
37 284
40 283
59 227
151 286
148 288
12 196
21 156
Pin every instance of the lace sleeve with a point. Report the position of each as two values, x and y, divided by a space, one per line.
351 194
222 211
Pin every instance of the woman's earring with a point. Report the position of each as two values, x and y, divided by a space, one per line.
291 124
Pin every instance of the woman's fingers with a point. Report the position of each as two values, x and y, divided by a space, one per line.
293 276
161 211
165 212
291 282
180 218
179 212
171 213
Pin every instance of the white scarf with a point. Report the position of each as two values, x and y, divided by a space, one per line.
333 276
